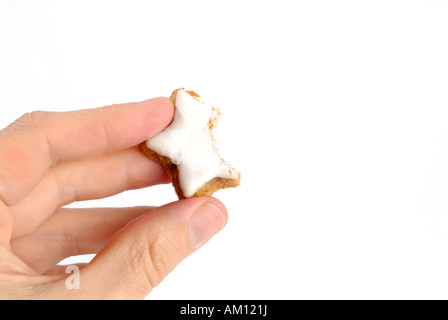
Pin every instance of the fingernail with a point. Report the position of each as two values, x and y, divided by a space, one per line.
207 221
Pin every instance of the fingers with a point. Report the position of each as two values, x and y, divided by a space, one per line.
141 254
72 232
87 179
39 140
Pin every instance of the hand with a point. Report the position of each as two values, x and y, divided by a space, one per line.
49 160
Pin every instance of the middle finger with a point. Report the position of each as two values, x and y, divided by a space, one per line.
81 180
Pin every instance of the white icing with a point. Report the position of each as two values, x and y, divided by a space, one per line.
188 142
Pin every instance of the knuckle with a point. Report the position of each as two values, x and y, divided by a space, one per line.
27 122
33 119
149 258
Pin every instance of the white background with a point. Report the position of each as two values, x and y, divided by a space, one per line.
335 112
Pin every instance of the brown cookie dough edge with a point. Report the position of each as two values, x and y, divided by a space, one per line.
170 168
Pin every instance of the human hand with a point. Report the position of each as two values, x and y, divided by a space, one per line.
49 160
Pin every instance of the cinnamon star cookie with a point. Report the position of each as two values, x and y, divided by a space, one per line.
187 149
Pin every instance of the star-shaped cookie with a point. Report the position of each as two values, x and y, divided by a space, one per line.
187 149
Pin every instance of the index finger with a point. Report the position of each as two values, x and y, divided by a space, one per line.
37 141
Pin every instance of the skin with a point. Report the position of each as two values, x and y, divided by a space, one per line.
49 160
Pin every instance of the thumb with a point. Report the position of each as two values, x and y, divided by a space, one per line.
142 254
